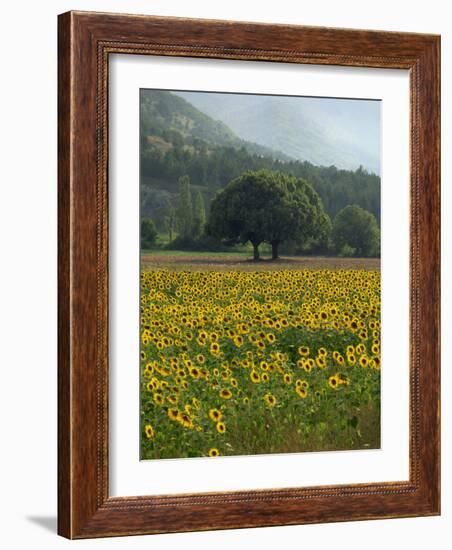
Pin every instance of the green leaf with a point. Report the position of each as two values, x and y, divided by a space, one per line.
353 422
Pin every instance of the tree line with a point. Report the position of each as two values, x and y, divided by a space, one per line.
265 206
212 167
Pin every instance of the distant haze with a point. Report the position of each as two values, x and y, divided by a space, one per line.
324 131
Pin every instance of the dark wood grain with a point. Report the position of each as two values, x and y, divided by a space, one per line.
85 42
64 294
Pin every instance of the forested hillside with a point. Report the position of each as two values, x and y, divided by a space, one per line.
178 140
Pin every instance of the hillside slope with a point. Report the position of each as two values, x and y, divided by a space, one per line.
177 140
344 133
163 113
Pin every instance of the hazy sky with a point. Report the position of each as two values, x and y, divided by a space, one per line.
325 131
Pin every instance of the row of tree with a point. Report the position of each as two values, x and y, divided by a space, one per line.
271 207
190 216
212 169
186 218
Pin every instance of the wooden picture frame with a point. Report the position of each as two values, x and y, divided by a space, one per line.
85 42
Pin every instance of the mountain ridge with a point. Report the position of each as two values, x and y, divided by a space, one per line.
156 107
324 131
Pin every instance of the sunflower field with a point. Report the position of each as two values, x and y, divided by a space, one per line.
242 363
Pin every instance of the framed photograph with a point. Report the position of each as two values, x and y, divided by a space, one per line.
248 275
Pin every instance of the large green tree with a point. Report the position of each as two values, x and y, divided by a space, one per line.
266 206
170 219
199 215
356 232
298 214
148 233
184 210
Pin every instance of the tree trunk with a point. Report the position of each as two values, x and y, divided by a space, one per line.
275 245
256 252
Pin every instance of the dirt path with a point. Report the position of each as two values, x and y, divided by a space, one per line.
229 263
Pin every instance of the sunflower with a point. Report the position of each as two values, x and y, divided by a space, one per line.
308 365
214 348
255 377
185 420
258 320
221 427
364 361
360 348
194 372
214 452
333 381
225 393
148 370
270 399
173 399
173 414
301 391
158 399
215 415
238 340
149 430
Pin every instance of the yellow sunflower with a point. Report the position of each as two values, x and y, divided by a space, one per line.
214 452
